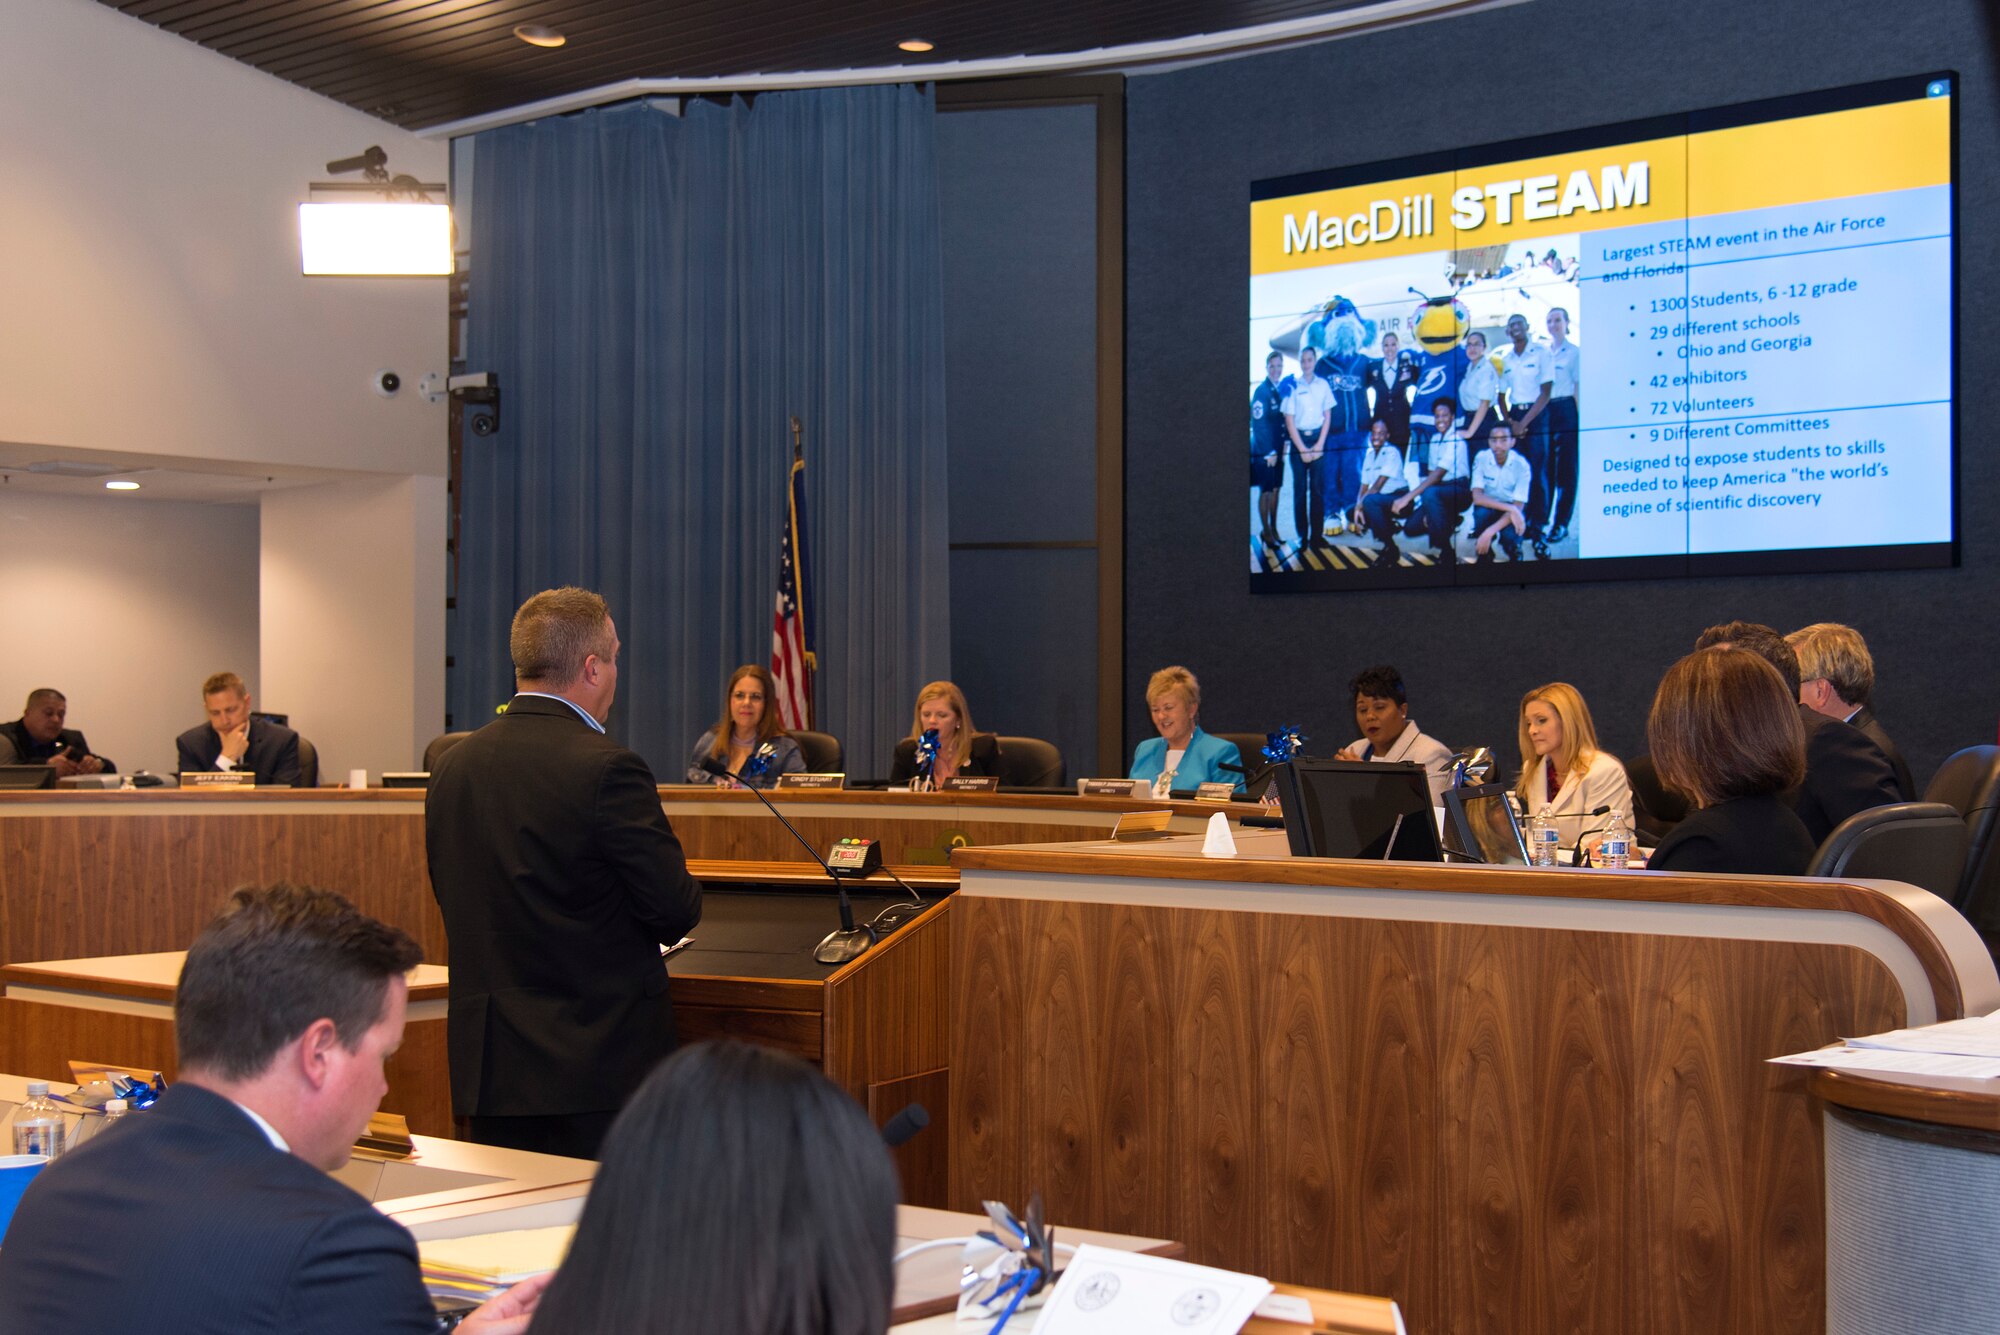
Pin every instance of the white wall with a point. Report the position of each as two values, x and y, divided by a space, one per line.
125 605
150 295
352 624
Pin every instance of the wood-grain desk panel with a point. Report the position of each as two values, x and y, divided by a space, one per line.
1522 1101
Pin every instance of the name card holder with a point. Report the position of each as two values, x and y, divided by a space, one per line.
235 778
970 783
812 780
1142 825
1215 792
1113 788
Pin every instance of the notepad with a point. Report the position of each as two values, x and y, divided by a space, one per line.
503 1257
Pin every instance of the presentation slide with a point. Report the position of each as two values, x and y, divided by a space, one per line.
1716 343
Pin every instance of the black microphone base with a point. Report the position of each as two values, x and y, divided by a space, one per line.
843 944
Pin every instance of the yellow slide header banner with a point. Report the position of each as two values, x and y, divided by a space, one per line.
1865 151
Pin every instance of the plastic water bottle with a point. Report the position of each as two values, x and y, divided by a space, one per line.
38 1123
1543 836
115 1110
1616 850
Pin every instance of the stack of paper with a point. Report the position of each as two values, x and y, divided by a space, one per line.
1968 1048
504 1258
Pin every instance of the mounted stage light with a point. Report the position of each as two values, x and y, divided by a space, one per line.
391 230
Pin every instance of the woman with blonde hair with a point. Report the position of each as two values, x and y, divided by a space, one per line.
1561 765
750 726
1183 755
941 708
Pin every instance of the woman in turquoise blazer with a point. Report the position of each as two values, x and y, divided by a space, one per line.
1174 697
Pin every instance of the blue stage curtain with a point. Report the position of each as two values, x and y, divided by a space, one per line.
659 294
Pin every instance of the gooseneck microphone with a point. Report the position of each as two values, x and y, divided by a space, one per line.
1577 857
837 947
905 1124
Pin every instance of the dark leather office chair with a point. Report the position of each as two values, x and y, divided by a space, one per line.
1962 777
1919 843
308 764
1656 808
1030 762
822 751
1969 782
440 744
1249 744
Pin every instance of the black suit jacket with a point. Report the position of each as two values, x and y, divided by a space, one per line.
559 879
983 760
1845 773
18 748
1755 835
1864 719
185 1218
273 754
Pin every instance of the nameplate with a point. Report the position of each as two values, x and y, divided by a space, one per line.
1215 792
812 780
1113 788
236 778
970 783
1142 825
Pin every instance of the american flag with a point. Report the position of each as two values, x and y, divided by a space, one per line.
792 657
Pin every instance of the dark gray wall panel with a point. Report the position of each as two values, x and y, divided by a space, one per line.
1198 137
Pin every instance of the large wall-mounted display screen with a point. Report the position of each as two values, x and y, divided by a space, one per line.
1715 343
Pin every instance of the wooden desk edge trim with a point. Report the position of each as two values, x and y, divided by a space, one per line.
1954 960
68 981
1971 1104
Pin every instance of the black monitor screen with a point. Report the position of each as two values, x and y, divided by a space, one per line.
1358 809
1485 825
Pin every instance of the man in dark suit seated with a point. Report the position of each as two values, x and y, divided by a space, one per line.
212 1210
1845 772
38 737
232 740
559 879
1837 679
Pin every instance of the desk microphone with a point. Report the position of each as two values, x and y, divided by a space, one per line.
904 1125
1577 857
836 947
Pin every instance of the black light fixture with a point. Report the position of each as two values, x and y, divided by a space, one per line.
387 227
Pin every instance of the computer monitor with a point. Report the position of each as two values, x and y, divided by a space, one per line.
1358 809
1480 825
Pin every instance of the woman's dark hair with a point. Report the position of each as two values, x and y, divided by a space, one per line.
1381 681
1723 725
769 724
740 1191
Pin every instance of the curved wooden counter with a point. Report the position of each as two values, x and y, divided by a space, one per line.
1513 1100
113 872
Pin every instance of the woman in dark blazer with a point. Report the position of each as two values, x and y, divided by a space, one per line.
961 751
1725 731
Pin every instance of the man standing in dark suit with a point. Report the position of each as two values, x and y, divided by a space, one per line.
232 740
559 879
212 1210
1845 772
38 737
1837 679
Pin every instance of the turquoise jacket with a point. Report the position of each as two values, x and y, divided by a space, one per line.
1201 764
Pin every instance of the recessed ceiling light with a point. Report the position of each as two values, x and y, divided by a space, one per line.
914 44
120 485
539 34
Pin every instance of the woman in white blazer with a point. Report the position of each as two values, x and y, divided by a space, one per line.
1562 767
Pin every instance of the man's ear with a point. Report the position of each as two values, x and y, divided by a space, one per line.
316 1050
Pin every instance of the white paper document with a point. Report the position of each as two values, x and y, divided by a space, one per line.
1107 1292
1975 1036
1890 1059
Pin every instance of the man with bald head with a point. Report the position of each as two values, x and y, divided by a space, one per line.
38 737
